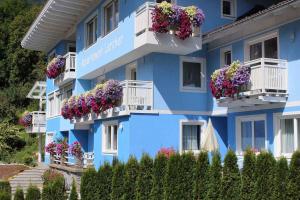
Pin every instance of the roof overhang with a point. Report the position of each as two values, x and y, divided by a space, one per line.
57 21
38 91
282 13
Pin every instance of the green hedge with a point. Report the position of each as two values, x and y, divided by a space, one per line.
19 195
33 193
4 195
5 186
88 186
294 177
144 179
215 178
248 176
117 186
200 186
54 190
73 194
130 178
104 182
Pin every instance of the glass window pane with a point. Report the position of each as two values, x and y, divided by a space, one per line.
115 138
259 135
191 137
116 13
191 74
255 51
271 48
287 135
226 7
227 56
90 33
246 135
108 138
109 17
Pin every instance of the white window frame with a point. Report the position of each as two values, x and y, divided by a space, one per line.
222 55
202 62
233 10
49 139
261 39
110 151
51 112
201 123
104 31
172 1
238 130
92 17
277 134
129 68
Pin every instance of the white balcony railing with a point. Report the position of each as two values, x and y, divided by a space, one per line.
38 122
137 95
69 73
268 76
268 84
69 160
149 41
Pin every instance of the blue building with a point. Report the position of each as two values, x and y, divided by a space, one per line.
167 99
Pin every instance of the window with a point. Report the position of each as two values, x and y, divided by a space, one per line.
131 71
251 133
265 47
191 135
226 56
71 47
192 74
228 8
91 31
111 16
110 138
169 1
288 135
51 104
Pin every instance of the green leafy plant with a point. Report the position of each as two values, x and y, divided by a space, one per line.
73 194
54 190
33 193
215 178
294 177
144 179
131 174
104 182
50 176
201 176
172 179
118 181
231 177
4 195
281 179
5 187
159 173
88 185
19 195
186 173
248 176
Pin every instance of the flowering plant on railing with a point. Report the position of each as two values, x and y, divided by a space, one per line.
51 148
55 67
26 119
227 81
167 152
167 17
75 150
62 147
102 97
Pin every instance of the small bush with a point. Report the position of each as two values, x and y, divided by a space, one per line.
131 174
28 160
5 186
281 179
117 189
4 195
159 173
186 174
264 172
73 194
50 176
231 177
19 195
54 190
33 193
294 178
88 185
248 176
104 182
200 186
215 175
144 179
172 179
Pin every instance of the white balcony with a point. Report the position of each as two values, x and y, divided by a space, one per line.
38 122
137 98
149 41
69 73
268 84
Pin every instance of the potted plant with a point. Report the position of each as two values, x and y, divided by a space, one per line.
62 149
55 67
76 150
197 18
51 149
26 119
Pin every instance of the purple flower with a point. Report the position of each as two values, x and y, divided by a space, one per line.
113 90
241 77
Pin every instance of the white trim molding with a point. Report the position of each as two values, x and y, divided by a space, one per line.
233 9
222 54
104 125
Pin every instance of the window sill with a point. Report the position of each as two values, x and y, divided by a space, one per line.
109 152
231 17
53 117
193 90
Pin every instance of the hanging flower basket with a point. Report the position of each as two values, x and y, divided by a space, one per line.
55 67
26 119
76 150
61 149
51 149
228 81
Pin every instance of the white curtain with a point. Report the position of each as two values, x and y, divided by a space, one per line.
246 135
287 135
191 137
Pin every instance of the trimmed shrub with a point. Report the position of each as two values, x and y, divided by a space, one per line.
187 169
33 193
294 178
118 181
159 173
215 178
248 176
281 179
88 185
5 187
264 172
231 177
104 182
73 194
54 190
50 176
172 179
130 179
4 195
19 195
200 185
144 179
